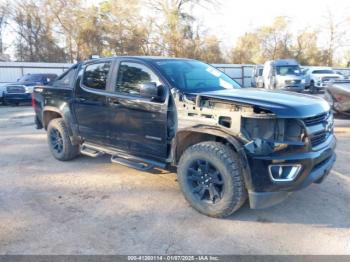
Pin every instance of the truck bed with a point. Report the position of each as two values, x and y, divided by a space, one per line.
49 96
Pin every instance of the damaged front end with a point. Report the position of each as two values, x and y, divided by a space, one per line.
266 134
259 130
283 153
337 95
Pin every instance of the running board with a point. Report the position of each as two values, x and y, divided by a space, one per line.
119 157
90 152
133 163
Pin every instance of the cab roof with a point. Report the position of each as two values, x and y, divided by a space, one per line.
284 62
143 58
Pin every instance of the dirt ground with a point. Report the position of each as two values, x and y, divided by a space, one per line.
90 206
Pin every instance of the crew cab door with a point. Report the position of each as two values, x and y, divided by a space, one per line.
138 125
90 107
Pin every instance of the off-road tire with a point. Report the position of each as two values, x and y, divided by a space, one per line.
69 151
225 160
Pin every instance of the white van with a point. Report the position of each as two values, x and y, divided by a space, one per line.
283 74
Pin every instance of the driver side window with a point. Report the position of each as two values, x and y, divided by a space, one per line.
131 75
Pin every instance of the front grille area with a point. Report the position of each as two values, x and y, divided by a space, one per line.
318 138
15 90
319 128
292 82
329 78
315 120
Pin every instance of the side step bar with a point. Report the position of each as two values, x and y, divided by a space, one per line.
90 152
121 158
133 163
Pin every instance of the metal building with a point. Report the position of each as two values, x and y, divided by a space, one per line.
11 71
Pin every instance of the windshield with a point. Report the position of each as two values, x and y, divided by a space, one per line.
195 77
30 78
323 71
260 72
288 70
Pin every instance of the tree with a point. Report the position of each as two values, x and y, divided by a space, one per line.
265 43
306 50
247 50
210 51
335 36
78 26
124 32
179 37
275 39
4 11
35 40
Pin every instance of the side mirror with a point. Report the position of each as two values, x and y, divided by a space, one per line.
149 90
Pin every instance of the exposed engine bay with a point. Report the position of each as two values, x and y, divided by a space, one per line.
261 131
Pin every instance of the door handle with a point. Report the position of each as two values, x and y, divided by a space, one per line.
81 99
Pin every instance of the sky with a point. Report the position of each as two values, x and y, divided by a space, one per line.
232 19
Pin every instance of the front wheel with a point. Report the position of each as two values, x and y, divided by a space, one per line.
313 88
60 144
210 176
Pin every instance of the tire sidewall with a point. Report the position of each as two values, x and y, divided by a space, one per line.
228 189
53 125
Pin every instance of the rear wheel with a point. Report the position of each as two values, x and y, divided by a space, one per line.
60 144
211 179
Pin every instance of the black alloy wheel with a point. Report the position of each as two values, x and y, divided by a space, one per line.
205 181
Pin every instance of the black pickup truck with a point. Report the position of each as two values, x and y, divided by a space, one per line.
228 143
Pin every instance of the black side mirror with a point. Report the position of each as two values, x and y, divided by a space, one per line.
149 90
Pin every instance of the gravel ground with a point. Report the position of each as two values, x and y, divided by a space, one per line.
90 206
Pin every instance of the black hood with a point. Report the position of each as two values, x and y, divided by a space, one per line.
25 83
283 104
29 83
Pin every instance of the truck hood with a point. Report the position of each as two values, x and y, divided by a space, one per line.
283 104
318 76
24 83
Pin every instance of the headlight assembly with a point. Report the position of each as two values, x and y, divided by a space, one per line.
29 89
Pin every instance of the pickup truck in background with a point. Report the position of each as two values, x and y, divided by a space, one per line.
21 91
229 144
317 78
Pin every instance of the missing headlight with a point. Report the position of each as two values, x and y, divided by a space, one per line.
262 128
272 129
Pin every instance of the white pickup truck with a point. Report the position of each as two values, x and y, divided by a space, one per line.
317 78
